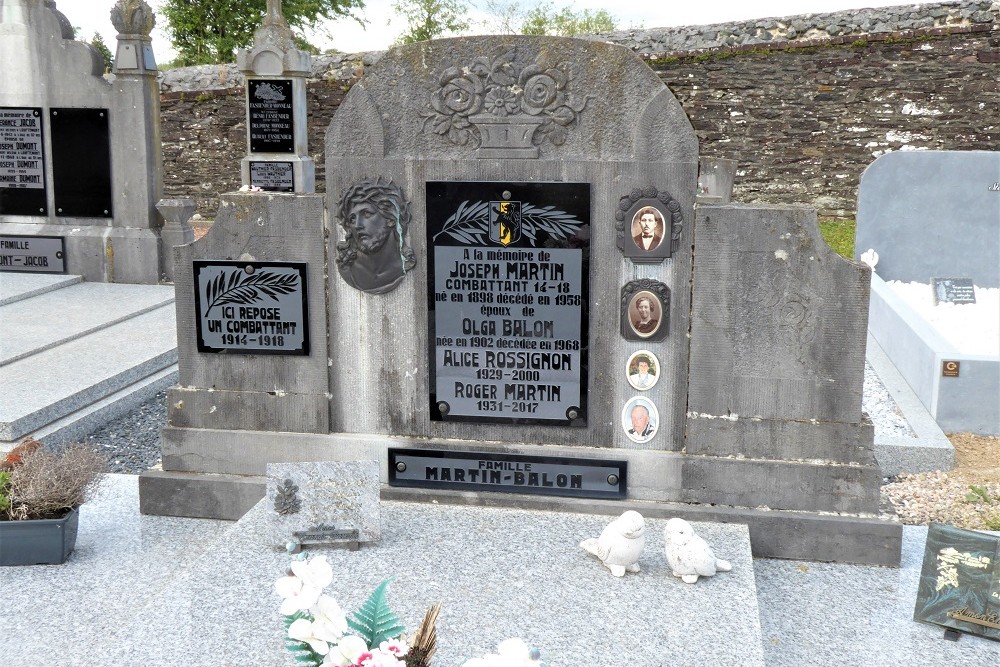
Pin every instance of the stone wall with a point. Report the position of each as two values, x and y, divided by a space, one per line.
803 104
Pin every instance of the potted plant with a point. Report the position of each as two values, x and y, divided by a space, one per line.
40 495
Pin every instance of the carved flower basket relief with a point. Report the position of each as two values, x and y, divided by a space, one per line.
503 111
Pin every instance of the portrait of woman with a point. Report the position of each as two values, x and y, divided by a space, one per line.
642 370
645 313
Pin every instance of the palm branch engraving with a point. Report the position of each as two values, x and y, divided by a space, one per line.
249 290
470 223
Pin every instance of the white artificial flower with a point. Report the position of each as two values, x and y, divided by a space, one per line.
313 572
303 587
394 646
303 631
381 658
297 595
329 619
350 649
514 649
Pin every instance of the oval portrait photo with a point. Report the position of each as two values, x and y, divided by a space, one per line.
645 312
647 228
640 419
642 370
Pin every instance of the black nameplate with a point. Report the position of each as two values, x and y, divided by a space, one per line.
251 307
508 298
953 290
325 534
22 161
269 102
960 581
273 176
508 473
81 163
32 254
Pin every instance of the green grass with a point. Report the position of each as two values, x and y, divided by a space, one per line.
839 235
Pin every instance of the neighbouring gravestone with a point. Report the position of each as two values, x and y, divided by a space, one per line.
511 226
80 161
323 503
933 217
278 158
932 214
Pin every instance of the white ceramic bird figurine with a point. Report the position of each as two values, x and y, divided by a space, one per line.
620 544
688 555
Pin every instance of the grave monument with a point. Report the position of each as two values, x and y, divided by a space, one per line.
80 160
934 218
509 221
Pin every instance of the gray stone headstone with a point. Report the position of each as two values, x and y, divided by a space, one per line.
323 502
931 214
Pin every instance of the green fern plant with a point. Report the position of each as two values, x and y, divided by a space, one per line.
374 621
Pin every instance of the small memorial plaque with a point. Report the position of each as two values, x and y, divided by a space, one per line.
22 164
953 290
951 369
272 176
32 254
251 307
81 162
507 473
323 502
269 102
508 299
960 581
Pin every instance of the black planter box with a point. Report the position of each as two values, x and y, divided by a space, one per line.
38 541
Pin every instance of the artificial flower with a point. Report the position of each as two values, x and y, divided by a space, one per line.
303 631
329 619
394 646
313 572
349 650
297 595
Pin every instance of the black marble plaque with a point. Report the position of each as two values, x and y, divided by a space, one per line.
953 290
22 161
269 102
251 307
508 298
32 254
508 473
81 163
273 176
960 581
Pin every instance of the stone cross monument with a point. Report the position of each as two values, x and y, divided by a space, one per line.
277 153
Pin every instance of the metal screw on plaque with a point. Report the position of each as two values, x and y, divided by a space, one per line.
400 466
443 407
613 479
105 211
506 194
249 269
572 414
